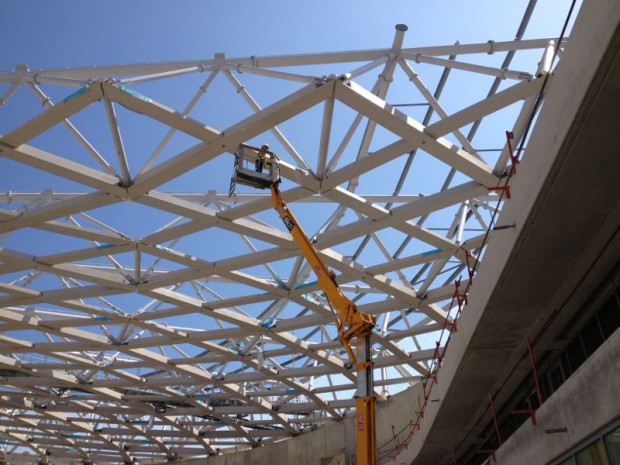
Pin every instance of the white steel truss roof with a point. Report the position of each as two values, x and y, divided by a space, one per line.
147 315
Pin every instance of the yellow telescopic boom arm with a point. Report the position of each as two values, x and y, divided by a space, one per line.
350 322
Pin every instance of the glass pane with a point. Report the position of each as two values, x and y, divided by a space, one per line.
609 316
594 454
575 353
556 377
592 337
566 365
612 444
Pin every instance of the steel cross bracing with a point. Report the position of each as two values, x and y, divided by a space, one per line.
146 315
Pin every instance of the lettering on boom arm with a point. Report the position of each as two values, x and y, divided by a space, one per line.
288 223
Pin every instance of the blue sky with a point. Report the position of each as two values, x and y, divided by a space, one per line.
69 33
45 34
74 32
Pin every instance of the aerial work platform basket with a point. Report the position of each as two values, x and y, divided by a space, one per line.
254 167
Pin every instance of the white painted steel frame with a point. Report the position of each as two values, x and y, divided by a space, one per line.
88 378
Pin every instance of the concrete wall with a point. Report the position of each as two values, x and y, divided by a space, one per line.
585 403
333 444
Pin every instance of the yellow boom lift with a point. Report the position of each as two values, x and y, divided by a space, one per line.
351 323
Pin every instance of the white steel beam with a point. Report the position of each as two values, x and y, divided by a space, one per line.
228 141
47 102
485 107
144 105
57 210
275 131
94 72
364 102
52 116
485 70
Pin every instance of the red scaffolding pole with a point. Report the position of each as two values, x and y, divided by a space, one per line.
499 435
534 371
513 160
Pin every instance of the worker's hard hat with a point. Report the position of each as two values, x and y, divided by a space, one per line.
264 146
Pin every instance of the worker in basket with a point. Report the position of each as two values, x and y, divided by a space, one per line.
261 158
